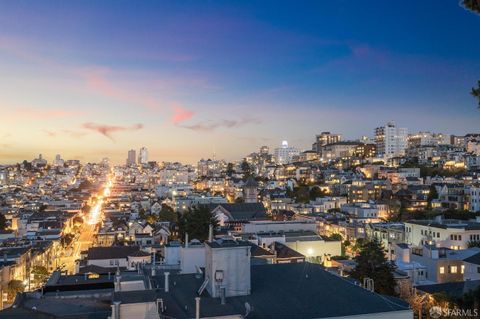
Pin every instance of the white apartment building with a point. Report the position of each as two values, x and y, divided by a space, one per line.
391 141
474 198
366 210
427 138
285 154
143 155
448 233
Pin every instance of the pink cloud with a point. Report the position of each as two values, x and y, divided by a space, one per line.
97 80
107 130
180 114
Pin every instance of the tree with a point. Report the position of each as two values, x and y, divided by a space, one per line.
432 194
372 263
472 5
3 222
167 214
246 169
196 223
302 194
230 169
14 287
476 91
77 221
315 192
40 274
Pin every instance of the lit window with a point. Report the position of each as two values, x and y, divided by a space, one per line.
453 269
462 269
442 270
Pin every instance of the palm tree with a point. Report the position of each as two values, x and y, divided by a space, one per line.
476 91
473 5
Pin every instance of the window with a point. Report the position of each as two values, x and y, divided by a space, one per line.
478 270
451 237
442 270
453 269
459 237
462 269
438 235
111 262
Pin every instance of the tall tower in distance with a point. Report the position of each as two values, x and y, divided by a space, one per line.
143 155
131 159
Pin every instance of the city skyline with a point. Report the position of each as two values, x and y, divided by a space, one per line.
188 81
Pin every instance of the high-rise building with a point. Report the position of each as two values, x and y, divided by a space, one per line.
58 161
143 155
285 154
264 150
325 138
131 159
391 141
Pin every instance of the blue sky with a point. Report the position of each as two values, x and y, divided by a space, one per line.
89 79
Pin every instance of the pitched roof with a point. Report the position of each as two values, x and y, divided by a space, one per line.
475 259
251 182
242 211
295 290
283 251
452 289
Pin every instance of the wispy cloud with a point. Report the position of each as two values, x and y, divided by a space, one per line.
180 114
15 113
208 126
65 132
108 130
97 80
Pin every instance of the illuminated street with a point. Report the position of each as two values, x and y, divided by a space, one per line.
88 230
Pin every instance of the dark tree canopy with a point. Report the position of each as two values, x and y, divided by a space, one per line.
3 222
372 263
472 5
246 169
196 222
476 91
167 214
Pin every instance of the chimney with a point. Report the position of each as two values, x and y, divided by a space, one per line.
197 307
210 233
186 240
154 270
116 310
167 286
117 285
5 257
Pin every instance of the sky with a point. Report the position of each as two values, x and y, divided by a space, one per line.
189 79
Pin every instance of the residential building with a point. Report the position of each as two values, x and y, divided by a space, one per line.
391 141
285 153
